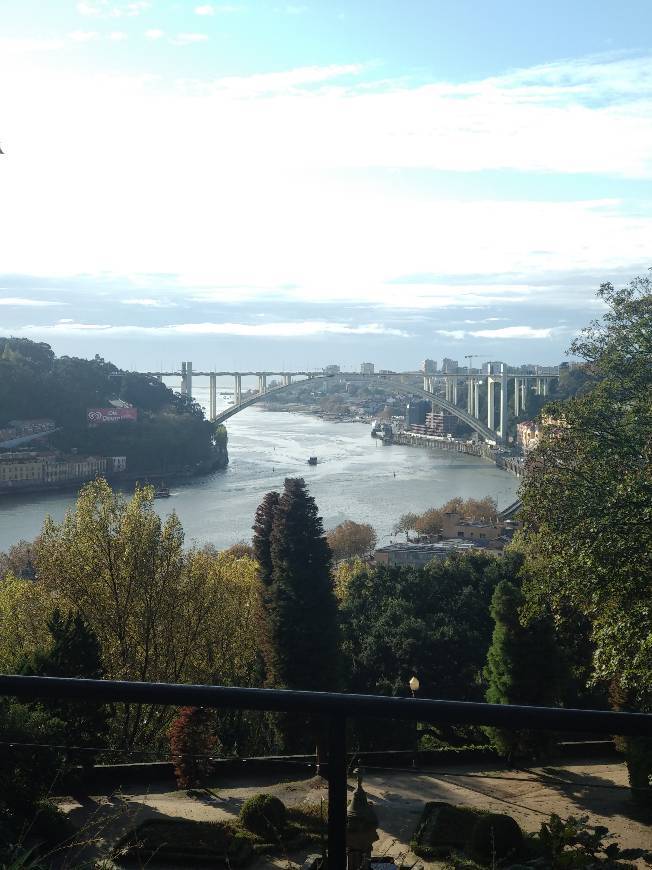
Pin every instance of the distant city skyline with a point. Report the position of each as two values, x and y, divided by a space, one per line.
254 183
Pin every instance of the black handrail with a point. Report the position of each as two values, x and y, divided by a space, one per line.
337 707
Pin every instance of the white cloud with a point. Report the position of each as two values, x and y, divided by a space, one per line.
109 9
154 33
83 35
457 334
117 36
19 45
150 303
298 329
206 9
188 38
22 302
513 332
276 185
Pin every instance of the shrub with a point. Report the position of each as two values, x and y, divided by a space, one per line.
263 814
495 837
192 742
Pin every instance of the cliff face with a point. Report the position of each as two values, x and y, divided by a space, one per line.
220 456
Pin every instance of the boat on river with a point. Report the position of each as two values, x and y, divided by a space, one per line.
312 460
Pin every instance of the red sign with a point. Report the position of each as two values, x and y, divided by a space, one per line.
97 416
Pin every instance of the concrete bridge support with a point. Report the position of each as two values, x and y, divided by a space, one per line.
517 396
476 399
262 383
287 380
503 403
159 377
469 396
237 390
212 396
544 386
186 379
454 391
491 403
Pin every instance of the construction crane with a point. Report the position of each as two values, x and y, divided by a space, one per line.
470 357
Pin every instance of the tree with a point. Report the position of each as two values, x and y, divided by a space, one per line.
74 652
521 669
299 609
193 743
587 501
351 539
406 523
433 622
160 613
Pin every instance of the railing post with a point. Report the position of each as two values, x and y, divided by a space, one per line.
337 795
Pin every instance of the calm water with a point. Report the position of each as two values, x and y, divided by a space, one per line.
356 479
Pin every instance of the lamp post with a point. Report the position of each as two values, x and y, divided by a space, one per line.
414 684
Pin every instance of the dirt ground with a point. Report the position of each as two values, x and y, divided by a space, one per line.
597 789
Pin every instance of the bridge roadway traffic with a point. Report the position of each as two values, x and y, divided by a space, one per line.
397 382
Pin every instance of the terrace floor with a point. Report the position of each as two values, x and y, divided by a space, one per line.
594 788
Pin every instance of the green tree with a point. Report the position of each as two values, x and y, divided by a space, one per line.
299 608
522 668
433 622
587 503
74 652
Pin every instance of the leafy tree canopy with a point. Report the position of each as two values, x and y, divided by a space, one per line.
588 497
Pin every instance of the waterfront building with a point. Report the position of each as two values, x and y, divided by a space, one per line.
449 365
416 555
527 435
367 368
439 423
415 412
26 469
429 367
21 468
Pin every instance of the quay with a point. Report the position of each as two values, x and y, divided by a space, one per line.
499 457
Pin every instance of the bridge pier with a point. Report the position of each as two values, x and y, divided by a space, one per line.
491 404
454 391
517 396
476 399
287 380
212 396
503 402
237 390
262 383
544 386
186 379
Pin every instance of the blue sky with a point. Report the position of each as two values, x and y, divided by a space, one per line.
268 183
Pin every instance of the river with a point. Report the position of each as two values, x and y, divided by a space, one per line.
356 478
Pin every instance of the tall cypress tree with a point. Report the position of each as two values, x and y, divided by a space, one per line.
522 668
300 638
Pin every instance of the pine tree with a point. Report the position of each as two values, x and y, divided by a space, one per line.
300 628
75 652
522 668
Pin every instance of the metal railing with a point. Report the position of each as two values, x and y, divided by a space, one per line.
336 708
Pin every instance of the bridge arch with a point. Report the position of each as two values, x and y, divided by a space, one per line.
383 381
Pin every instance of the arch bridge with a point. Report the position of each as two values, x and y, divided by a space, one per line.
395 382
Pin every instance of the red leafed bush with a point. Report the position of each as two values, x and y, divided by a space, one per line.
193 742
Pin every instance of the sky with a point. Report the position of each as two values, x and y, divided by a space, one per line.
259 184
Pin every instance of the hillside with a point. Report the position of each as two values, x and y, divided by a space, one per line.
171 433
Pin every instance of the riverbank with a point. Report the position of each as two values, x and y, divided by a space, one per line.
121 479
500 458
